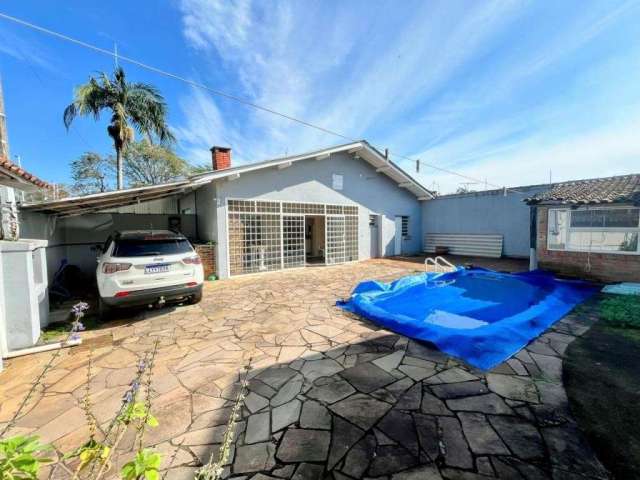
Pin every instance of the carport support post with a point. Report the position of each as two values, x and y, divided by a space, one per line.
533 231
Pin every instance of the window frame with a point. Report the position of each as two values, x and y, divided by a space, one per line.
404 227
570 229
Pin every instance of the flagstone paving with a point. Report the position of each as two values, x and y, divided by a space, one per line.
330 395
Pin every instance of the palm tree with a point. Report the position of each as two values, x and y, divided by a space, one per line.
130 103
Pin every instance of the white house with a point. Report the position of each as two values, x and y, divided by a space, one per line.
328 206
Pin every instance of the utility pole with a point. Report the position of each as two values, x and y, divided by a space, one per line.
9 227
4 138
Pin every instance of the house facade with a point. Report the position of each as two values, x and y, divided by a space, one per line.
334 209
326 207
590 228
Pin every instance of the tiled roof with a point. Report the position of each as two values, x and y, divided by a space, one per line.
10 169
621 189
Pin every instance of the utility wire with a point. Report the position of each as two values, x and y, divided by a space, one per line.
229 96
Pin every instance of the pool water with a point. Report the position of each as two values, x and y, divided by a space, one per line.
481 316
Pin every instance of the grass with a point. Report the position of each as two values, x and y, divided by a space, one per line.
55 332
621 311
601 374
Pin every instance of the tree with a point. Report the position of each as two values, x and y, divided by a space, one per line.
200 168
131 104
149 164
92 173
464 189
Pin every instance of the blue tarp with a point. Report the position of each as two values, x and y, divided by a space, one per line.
478 315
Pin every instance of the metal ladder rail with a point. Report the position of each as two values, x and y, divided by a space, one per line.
445 263
440 264
429 261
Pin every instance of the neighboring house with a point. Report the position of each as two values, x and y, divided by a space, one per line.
24 303
329 206
590 228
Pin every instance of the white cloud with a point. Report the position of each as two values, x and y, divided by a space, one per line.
614 150
464 84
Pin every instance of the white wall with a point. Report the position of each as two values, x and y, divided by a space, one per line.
24 283
488 212
3 323
311 181
205 206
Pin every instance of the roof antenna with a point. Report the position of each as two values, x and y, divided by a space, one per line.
417 165
386 154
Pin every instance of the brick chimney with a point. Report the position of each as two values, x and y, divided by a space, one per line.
220 157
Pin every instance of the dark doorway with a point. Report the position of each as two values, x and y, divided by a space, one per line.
314 243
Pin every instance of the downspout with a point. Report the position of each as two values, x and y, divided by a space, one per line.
533 230
195 208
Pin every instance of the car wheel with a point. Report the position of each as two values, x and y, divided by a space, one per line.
195 298
104 310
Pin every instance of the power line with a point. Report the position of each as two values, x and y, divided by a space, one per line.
226 95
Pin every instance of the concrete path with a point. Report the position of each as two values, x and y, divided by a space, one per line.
330 395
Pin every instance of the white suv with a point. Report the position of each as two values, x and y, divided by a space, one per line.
148 267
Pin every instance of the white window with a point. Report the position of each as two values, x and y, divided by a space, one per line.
599 229
405 226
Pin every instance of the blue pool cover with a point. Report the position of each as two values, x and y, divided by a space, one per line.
478 315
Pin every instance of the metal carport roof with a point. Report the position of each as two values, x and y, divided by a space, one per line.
69 206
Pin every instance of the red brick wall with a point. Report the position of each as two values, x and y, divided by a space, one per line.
207 254
605 267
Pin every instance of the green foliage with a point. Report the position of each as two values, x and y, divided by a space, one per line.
201 168
131 104
148 164
622 311
137 411
92 173
18 457
145 465
90 452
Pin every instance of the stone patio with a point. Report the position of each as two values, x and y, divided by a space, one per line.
330 395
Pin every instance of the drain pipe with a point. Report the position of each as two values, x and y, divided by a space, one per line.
533 229
43 348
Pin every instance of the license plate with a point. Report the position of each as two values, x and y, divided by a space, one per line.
156 268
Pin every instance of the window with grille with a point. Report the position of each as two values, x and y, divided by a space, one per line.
335 248
605 230
270 235
307 208
254 243
267 207
242 206
293 254
350 238
405 227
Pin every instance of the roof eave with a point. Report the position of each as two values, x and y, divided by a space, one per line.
360 148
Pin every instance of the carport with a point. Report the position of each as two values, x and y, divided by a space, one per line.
74 226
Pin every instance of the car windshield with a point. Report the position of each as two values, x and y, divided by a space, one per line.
146 248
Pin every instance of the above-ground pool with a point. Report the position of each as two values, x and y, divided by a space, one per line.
478 315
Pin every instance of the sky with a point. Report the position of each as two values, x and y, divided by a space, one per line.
508 92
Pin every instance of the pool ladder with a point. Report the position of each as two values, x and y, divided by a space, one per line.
439 264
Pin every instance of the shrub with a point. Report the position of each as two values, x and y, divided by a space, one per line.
622 311
19 458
